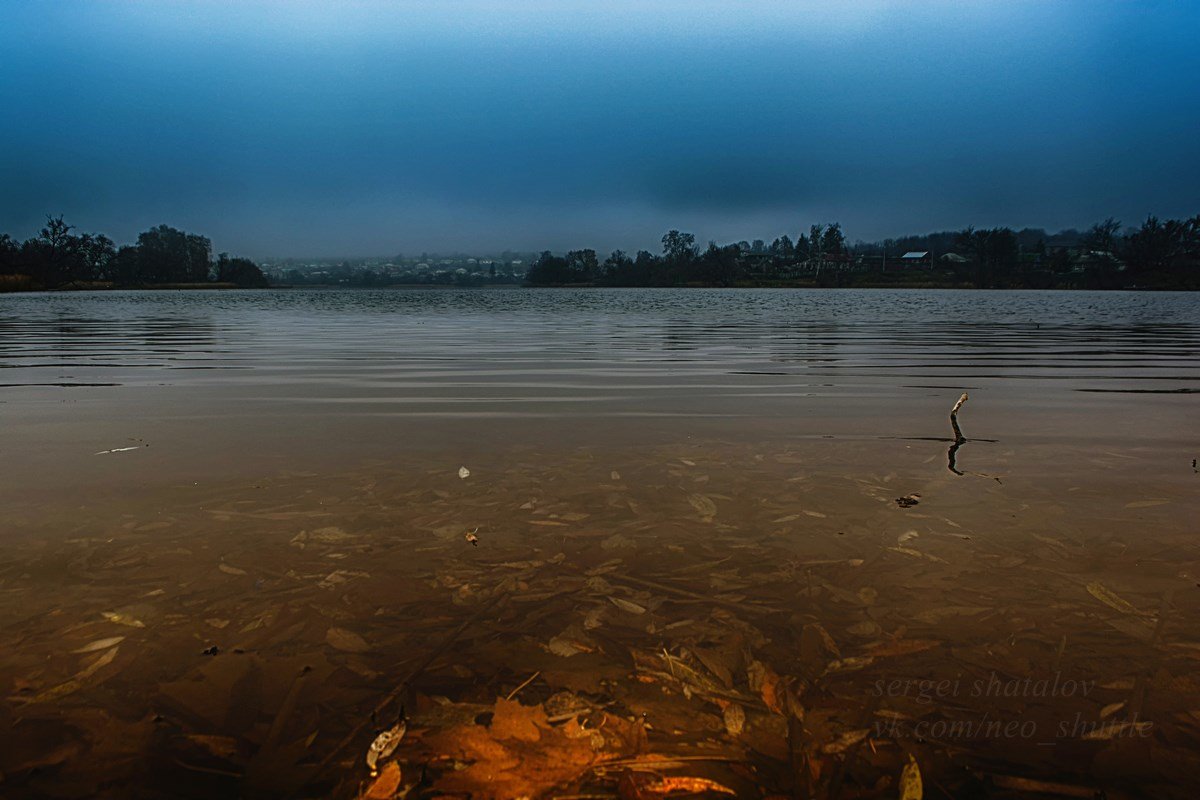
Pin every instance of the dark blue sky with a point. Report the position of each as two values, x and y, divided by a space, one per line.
296 128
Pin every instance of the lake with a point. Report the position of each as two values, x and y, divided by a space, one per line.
236 524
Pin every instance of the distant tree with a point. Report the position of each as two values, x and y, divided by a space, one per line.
617 269
95 255
1103 236
168 255
994 252
9 252
803 247
833 241
48 256
583 265
240 271
548 269
679 248
125 267
783 248
1149 246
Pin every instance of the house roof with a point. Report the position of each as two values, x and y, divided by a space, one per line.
915 254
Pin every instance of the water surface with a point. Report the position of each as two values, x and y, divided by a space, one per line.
253 470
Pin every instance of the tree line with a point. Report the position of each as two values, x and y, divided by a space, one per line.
1156 254
60 257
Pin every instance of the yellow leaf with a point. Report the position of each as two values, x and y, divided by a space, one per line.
911 787
1106 596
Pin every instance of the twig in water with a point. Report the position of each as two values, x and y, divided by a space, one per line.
528 681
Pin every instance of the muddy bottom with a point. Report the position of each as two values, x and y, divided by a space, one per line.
706 618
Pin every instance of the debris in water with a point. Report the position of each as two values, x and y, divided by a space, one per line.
100 644
384 745
472 538
386 785
117 450
909 500
911 787
464 473
122 619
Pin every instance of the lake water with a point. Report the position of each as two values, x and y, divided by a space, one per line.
685 502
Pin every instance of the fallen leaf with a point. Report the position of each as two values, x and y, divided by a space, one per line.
704 506
1110 599
101 661
911 786
902 647
1109 731
62 690
735 719
845 741
511 720
464 473
122 619
626 605
219 746
100 644
228 570
347 641
386 785
765 682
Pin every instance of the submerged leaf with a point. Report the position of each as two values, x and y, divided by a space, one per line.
386 785
735 719
100 644
704 506
626 605
1110 599
101 661
122 619
347 641
911 786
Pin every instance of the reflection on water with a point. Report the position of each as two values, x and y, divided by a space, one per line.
235 543
514 346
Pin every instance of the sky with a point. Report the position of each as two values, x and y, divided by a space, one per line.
375 128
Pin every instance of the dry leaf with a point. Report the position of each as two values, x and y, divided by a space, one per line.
1106 596
100 644
101 661
347 641
764 681
626 605
386 785
902 647
911 786
845 741
228 570
735 719
122 619
703 505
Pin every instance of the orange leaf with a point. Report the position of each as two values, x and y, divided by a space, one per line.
385 786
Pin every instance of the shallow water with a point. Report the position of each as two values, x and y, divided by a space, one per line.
675 493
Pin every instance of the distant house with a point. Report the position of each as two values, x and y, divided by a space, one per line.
917 259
